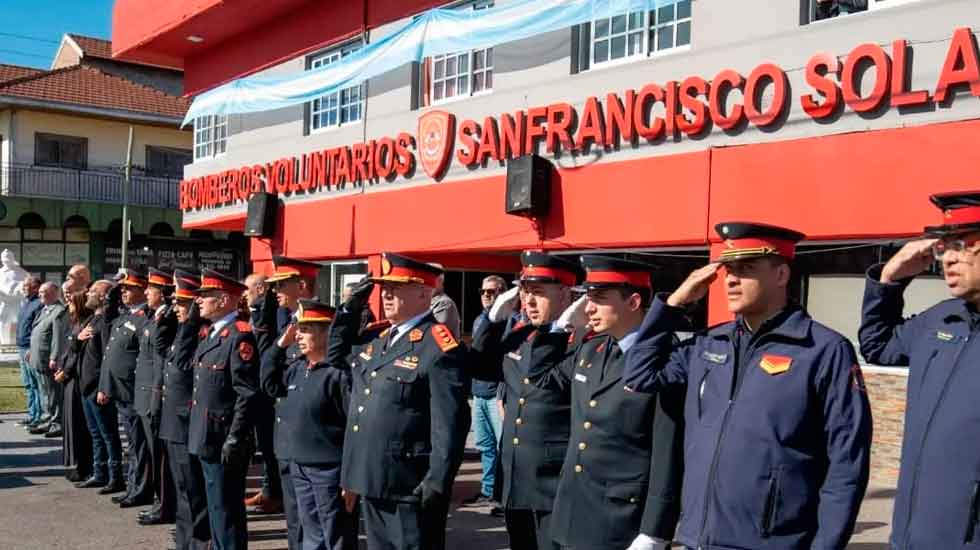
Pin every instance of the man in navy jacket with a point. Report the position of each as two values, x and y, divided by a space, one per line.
778 426
938 500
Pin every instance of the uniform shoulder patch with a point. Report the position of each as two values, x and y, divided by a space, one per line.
243 326
775 364
444 338
203 333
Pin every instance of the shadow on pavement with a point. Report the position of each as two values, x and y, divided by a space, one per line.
44 442
863 526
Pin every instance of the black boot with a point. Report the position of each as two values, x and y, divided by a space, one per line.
115 485
96 481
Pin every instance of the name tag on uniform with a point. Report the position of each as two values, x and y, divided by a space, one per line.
292 387
514 356
945 336
579 377
718 358
130 326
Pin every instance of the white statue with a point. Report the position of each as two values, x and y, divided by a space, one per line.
12 277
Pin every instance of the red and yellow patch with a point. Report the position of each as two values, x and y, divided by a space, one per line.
246 351
444 338
243 326
203 333
415 335
775 364
225 332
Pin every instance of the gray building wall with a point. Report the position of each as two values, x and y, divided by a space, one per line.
536 72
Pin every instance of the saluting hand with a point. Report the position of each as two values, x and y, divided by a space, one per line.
913 258
288 336
505 304
360 293
574 316
695 286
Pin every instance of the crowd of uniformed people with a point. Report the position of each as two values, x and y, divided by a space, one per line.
619 430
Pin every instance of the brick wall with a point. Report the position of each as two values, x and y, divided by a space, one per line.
886 391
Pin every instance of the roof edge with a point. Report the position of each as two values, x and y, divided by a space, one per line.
120 114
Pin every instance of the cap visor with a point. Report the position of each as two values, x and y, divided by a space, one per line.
954 229
280 277
398 279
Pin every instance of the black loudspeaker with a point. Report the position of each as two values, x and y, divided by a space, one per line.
528 186
261 219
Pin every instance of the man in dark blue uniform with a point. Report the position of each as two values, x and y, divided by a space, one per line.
221 417
938 500
620 484
530 361
778 427
319 399
191 515
117 384
156 338
408 417
291 281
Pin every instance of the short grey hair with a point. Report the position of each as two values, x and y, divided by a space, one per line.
497 280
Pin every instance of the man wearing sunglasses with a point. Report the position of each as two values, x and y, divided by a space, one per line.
486 416
938 499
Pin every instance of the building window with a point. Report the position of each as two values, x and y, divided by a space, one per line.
338 108
635 34
210 136
461 74
818 10
166 162
61 151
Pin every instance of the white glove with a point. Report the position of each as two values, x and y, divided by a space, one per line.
574 315
644 542
503 307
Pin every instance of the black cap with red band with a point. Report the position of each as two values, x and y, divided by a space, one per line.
540 267
160 279
215 280
396 268
290 268
186 284
744 240
608 272
312 311
961 213
131 277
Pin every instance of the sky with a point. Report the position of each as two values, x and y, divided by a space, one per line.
32 29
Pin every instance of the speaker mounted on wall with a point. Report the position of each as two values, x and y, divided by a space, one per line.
261 218
528 190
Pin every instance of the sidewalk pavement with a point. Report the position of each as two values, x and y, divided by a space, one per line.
42 510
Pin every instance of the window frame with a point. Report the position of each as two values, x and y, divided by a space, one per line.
873 6
211 143
167 152
646 29
338 50
488 67
61 139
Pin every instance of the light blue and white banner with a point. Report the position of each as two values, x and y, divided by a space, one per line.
435 32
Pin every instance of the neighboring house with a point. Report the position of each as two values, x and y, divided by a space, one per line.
63 143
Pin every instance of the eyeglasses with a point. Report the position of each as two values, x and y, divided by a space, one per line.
940 247
489 291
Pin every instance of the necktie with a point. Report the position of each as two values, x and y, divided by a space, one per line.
388 339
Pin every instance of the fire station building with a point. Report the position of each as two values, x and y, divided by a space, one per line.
658 124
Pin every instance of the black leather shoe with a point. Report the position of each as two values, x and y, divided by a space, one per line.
74 477
150 519
119 498
40 429
132 503
51 434
91 483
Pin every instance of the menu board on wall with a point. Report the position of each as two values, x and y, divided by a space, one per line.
169 257
220 260
43 254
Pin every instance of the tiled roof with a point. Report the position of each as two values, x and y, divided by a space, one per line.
10 72
93 47
88 86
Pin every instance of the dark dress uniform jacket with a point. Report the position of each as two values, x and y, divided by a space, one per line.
155 339
532 365
178 380
90 365
938 500
225 383
276 364
623 469
319 395
776 457
118 376
408 416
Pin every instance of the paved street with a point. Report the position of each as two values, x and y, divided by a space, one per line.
41 510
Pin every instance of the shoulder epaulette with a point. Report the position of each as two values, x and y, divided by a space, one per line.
444 338
377 325
243 326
